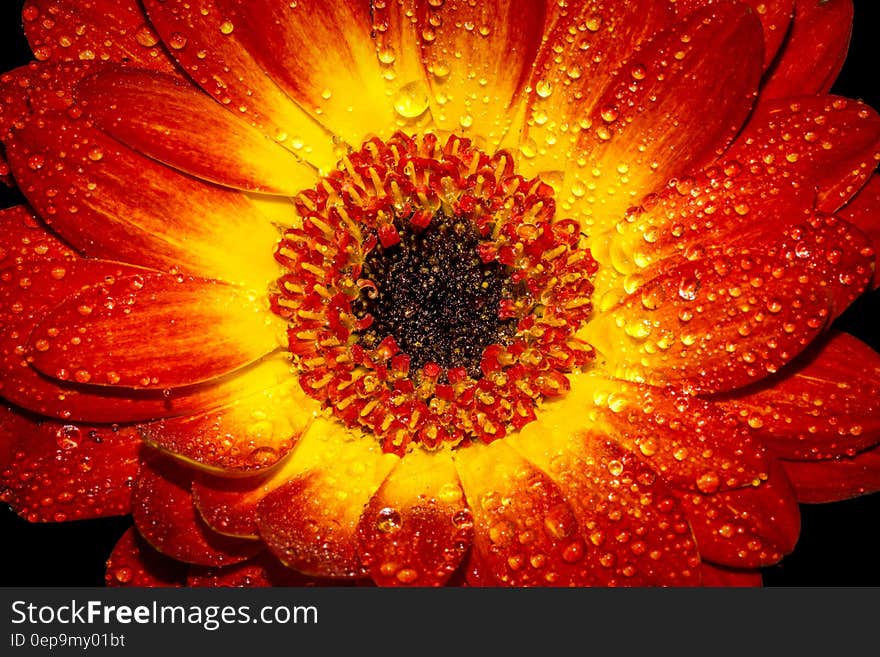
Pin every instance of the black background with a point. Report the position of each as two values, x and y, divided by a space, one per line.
839 545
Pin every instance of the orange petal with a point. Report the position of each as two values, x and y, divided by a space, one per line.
245 435
110 202
769 178
103 30
686 440
814 51
634 531
310 523
716 576
417 527
863 211
198 330
566 82
525 531
163 512
747 527
133 563
775 15
322 55
168 119
736 314
817 482
65 472
686 102
479 56
827 404
206 44
56 281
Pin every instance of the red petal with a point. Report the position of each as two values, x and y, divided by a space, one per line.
134 563
633 529
817 482
688 441
261 571
322 55
814 51
717 576
104 30
479 56
863 211
737 314
828 144
775 17
311 522
687 102
825 405
167 119
215 58
198 330
747 527
110 202
417 527
14 427
23 238
163 511
246 435
69 472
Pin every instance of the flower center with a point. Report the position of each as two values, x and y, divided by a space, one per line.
435 296
431 294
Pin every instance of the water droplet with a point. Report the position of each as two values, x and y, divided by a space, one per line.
708 482
96 154
226 27
177 41
388 520
411 100
146 37
543 88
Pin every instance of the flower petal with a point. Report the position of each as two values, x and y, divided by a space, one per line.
57 281
827 404
814 51
747 527
827 143
633 529
168 119
647 129
310 523
775 15
198 330
736 314
70 472
417 526
163 512
104 30
566 82
24 238
863 211
261 571
110 202
817 482
322 55
211 52
134 563
246 435
479 56
716 576
789 153
525 532
688 441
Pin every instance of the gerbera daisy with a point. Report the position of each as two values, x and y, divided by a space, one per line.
511 293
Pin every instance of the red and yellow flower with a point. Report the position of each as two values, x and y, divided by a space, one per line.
422 292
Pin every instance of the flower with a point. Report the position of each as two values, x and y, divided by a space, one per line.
510 293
